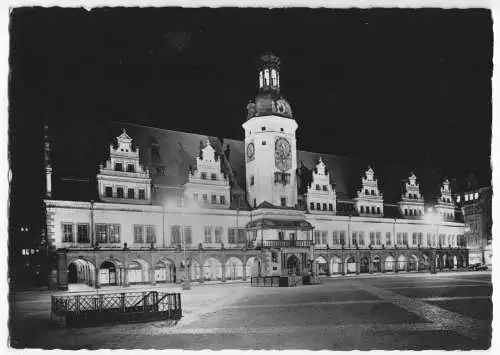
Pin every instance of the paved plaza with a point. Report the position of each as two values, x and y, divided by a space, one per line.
406 311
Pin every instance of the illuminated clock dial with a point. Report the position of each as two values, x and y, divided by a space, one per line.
282 151
250 151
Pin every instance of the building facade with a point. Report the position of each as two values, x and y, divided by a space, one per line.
172 205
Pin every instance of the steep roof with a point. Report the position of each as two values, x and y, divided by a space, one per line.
78 148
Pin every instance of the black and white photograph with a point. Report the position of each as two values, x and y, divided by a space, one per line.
250 178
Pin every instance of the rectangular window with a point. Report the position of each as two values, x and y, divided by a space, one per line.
281 235
119 192
324 207
208 234
354 238
101 232
150 234
325 187
231 236
317 187
114 233
429 239
324 237
142 194
195 196
218 234
130 168
388 240
138 234
118 167
109 191
317 237
372 238
342 237
414 238
378 238
283 202
175 234
130 193
330 207
241 236
214 199
361 238
420 238
188 239
205 198
83 233
263 142
318 206
335 240
67 229
203 176
405 238
399 240
222 200
213 176
252 180
312 206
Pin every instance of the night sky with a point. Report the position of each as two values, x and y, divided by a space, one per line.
399 84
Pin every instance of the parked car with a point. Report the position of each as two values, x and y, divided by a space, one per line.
478 267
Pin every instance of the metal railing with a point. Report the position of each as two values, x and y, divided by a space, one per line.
284 243
112 307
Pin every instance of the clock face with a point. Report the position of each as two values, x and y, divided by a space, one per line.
283 154
250 151
280 107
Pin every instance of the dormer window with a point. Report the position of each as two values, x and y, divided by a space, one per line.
118 167
130 168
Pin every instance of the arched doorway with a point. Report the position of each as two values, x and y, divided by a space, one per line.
164 271
412 263
322 266
364 265
350 265
252 267
423 263
195 271
377 265
336 265
134 272
107 274
234 269
81 271
401 263
293 265
72 273
212 269
389 263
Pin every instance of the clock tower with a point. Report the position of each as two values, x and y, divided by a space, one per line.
270 144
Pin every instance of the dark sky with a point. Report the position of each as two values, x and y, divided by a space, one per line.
398 84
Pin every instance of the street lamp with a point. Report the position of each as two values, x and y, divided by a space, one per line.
433 218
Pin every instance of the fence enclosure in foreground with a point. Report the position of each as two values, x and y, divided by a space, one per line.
76 310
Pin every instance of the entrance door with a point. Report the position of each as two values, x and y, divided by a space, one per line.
293 265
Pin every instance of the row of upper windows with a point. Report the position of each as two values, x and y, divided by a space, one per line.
374 210
469 197
130 167
375 238
213 200
234 235
120 193
319 205
319 187
412 196
204 176
370 192
104 232
413 212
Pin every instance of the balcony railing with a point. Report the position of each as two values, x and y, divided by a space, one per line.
284 243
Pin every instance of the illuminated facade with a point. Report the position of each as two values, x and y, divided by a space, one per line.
254 208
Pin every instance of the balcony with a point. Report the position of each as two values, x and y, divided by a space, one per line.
284 244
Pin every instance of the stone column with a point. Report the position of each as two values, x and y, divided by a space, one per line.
245 267
370 263
97 280
62 270
125 271
202 262
357 261
395 266
152 278
342 262
224 268
328 265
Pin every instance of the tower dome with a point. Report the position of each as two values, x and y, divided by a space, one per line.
269 101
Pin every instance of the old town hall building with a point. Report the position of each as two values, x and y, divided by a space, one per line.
138 204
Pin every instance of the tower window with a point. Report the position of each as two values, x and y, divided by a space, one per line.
222 200
373 209
312 206
263 142
195 196
252 180
109 191
203 176
263 128
130 168
266 77
325 187
214 199
283 201
366 192
118 167
131 193
142 194
317 187
282 130
378 210
254 202
330 207
362 209
213 176
205 198
324 207
373 192
119 192
261 79
318 206
273 77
